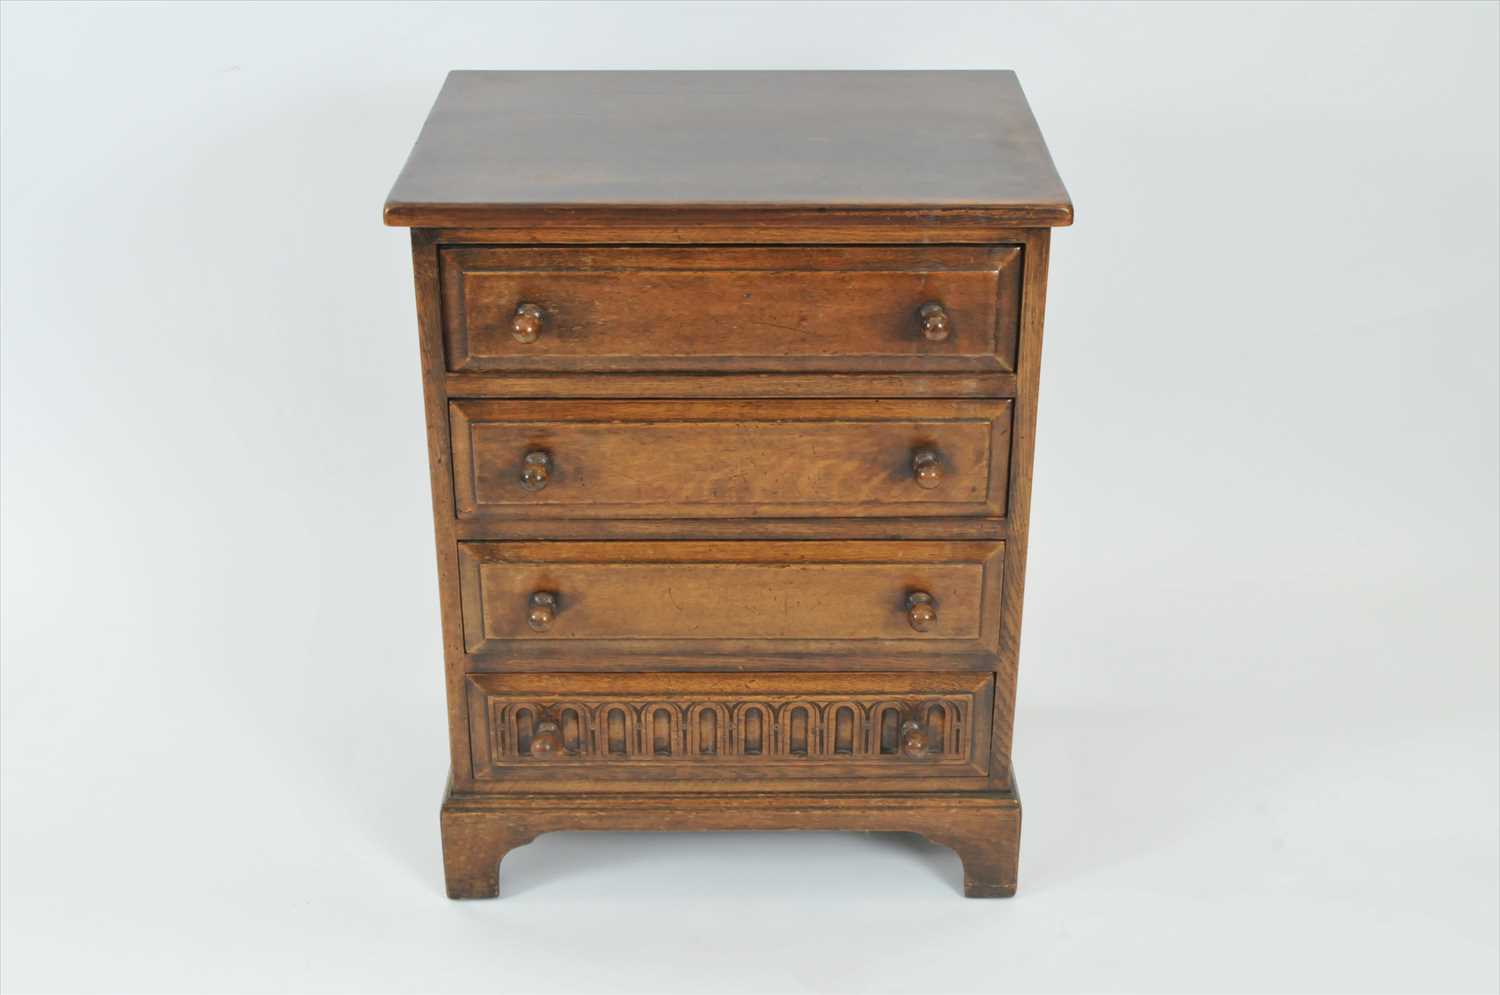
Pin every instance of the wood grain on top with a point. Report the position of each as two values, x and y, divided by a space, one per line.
501 146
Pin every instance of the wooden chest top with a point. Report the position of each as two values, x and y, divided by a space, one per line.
501 146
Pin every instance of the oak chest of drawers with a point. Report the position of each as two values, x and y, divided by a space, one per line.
730 388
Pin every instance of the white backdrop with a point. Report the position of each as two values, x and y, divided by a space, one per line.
1257 737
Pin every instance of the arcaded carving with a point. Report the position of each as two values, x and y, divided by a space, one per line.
843 728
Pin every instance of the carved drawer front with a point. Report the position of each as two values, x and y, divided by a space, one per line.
742 459
742 596
720 308
731 725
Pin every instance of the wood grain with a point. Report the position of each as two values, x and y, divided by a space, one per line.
730 727
440 462
1018 512
539 527
736 308
501 146
743 459
726 597
537 657
730 383
617 225
983 829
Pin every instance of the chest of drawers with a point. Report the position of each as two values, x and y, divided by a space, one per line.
730 388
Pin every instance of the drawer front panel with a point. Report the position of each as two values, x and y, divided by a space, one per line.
720 308
730 597
742 459
730 726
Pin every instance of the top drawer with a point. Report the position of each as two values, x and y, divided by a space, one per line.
927 308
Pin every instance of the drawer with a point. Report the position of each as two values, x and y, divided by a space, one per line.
730 597
930 308
742 459
722 726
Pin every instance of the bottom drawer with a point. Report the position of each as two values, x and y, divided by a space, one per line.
727 727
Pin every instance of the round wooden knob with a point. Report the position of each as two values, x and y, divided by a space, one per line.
927 468
913 739
921 610
543 611
527 324
935 322
546 740
536 468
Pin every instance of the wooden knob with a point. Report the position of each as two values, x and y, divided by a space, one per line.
927 468
921 610
527 324
536 468
546 740
543 611
913 740
935 322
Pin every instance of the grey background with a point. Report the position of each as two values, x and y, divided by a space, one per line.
1257 738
